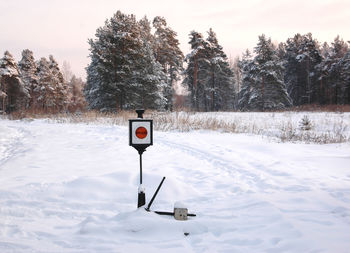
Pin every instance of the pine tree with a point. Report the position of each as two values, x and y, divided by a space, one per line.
149 74
146 31
195 74
59 85
247 68
268 90
344 78
15 93
169 55
112 58
46 86
291 77
303 57
208 75
332 73
220 78
339 47
281 51
94 93
324 69
312 57
122 67
29 76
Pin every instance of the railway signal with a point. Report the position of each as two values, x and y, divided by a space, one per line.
140 137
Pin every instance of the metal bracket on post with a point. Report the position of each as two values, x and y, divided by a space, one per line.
140 113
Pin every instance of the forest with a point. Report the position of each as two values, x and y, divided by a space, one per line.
138 63
38 86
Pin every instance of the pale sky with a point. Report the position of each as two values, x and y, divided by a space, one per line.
62 27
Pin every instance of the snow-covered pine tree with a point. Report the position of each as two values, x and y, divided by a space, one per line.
146 31
195 75
94 91
15 93
344 78
339 47
169 55
311 57
281 51
112 56
220 78
302 76
208 75
115 74
59 84
268 91
46 86
149 74
291 77
247 68
331 71
28 68
324 74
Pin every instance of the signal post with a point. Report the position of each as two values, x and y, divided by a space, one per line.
140 137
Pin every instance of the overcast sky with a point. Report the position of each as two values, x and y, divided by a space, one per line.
62 27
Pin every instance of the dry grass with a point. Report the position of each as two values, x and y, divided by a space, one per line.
85 117
320 108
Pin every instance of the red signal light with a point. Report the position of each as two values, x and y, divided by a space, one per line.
141 132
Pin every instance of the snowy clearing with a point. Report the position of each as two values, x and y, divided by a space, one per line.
73 188
323 128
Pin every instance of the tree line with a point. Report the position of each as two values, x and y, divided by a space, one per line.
37 85
131 66
137 63
297 72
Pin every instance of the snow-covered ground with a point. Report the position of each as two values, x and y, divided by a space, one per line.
73 188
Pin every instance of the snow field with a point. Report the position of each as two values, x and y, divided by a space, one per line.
282 126
73 188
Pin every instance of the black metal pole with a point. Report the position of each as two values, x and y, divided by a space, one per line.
140 168
141 201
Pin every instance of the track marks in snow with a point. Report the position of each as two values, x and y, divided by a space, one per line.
244 201
11 140
244 173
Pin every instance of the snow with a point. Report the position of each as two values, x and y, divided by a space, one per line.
73 188
179 204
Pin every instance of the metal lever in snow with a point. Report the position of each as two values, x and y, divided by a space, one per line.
161 212
173 213
154 195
